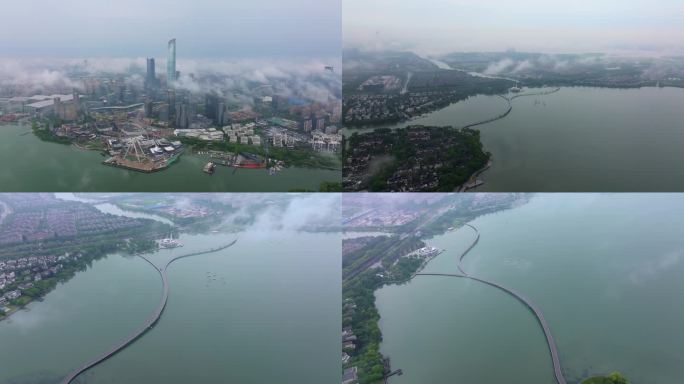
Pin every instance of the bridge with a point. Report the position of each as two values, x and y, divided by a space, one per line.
495 118
557 369
510 107
149 322
551 342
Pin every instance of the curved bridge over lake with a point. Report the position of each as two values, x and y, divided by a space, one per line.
149 322
557 369
510 107
553 349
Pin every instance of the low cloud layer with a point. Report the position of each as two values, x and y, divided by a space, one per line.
302 211
233 79
434 27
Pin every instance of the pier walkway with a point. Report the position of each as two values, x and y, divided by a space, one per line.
149 322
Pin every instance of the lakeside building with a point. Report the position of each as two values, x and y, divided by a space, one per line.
350 376
208 134
66 107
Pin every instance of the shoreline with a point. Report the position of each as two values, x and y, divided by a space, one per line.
362 128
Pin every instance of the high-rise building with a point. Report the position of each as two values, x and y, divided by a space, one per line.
211 102
171 63
151 78
148 107
221 115
320 124
182 118
171 101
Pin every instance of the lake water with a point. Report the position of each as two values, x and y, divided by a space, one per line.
578 139
264 310
606 270
32 165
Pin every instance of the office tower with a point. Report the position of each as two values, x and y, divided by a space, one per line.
148 107
151 78
320 123
181 116
307 125
171 62
221 115
211 102
171 102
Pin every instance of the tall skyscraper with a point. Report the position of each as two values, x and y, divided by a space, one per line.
171 63
211 103
151 78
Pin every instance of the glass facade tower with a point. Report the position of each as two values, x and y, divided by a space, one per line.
171 62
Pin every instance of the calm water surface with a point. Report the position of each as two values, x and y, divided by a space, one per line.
578 139
606 270
245 314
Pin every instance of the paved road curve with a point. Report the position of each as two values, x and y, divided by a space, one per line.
148 324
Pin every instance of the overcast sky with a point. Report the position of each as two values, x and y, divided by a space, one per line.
553 26
138 28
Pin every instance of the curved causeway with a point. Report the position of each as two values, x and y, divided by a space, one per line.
551 342
509 100
148 324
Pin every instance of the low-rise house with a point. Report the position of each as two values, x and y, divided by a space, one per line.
350 376
25 286
348 345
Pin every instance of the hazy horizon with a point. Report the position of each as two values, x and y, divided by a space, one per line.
203 28
436 27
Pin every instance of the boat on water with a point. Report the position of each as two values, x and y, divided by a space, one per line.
169 243
209 168
249 160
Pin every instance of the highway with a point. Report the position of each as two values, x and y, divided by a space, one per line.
148 324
